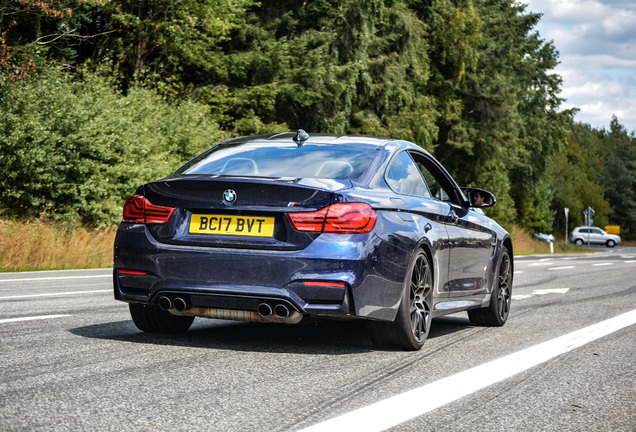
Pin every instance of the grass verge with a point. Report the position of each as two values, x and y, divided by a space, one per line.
526 244
35 245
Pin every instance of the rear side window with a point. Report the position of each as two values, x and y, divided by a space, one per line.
436 188
404 177
337 162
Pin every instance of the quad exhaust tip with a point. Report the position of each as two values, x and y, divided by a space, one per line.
165 303
264 310
280 310
180 304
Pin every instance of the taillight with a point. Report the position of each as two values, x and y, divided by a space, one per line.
343 218
309 221
350 218
139 210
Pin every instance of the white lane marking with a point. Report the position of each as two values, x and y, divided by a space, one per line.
518 271
55 271
540 292
601 264
41 317
406 406
550 291
541 264
55 278
56 294
630 262
561 268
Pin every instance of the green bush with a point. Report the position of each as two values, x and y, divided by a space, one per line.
74 148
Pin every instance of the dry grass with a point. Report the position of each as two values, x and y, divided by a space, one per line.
28 246
526 244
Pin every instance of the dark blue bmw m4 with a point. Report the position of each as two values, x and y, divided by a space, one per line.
281 228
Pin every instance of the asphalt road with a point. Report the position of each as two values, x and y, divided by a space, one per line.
71 359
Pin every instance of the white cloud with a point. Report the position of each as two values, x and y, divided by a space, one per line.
597 45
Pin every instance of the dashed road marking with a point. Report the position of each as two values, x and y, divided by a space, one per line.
55 294
561 268
540 292
56 278
41 317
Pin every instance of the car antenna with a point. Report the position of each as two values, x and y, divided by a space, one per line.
301 137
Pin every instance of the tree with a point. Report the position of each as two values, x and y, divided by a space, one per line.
619 177
24 25
507 125
573 175
75 149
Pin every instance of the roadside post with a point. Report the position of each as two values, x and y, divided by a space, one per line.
588 212
567 211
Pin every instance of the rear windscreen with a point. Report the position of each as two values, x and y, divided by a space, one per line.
338 162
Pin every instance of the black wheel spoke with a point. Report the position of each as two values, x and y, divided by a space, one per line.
421 299
503 295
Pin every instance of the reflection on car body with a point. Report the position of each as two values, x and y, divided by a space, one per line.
278 228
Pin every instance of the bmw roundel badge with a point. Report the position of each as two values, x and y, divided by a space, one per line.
229 196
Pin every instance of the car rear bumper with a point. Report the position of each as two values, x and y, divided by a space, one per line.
335 276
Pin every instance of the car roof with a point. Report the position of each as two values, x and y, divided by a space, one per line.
351 140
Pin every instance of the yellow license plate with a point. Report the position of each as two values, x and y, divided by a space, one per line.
232 225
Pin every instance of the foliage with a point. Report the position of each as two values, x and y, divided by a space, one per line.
619 178
75 149
572 174
98 96
166 44
507 125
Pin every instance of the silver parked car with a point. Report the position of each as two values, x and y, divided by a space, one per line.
595 235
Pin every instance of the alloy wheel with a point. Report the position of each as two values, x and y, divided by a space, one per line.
504 294
421 299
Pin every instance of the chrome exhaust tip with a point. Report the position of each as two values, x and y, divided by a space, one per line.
264 310
165 303
281 311
180 304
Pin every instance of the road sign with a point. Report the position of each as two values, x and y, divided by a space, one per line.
588 213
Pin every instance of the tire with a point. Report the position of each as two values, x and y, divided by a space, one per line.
412 323
151 319
496 313
611 243
578 242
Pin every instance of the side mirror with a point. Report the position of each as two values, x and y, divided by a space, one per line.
479 198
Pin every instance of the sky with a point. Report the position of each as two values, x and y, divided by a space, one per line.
596 41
